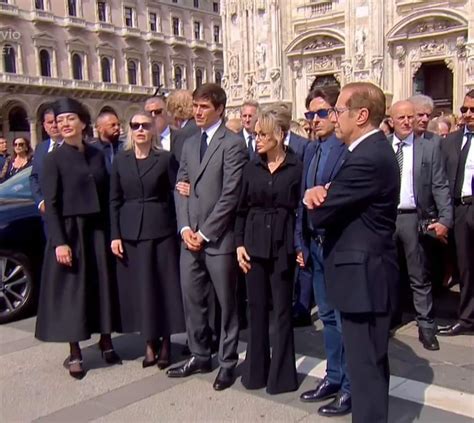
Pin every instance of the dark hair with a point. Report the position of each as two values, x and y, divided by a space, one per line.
29 150
212 92
470 94
387 122
106 113
369 96
328 95
48 111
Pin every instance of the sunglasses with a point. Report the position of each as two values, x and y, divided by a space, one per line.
156 112
464 109
321 113
135 126
19 144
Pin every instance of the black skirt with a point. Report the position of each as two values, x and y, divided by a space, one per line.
78 301
149 288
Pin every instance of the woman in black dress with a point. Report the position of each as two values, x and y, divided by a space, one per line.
265 252
143 226
78 291
22 158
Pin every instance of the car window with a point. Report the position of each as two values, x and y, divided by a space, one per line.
18 186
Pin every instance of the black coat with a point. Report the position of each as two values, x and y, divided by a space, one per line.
74 184
267 207
179 137
359 216
141 206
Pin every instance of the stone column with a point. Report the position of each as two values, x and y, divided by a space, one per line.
33 133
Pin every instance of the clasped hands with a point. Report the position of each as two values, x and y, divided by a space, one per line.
193 240
316 196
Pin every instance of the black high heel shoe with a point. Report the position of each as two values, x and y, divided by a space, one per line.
148 363
76 374
110 356
164 361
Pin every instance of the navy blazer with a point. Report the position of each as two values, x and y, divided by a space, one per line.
41 151
334 162
298 144
358 215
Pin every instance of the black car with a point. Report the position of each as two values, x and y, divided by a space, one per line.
21 247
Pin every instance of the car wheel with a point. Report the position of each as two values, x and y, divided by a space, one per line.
16 286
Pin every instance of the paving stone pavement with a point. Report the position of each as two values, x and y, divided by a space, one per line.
35 387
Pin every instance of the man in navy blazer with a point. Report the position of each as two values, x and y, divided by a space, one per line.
322 160
42 149
297 143
358 212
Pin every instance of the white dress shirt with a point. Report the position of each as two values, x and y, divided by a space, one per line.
51 144
407 193
466 189
246 136
165 141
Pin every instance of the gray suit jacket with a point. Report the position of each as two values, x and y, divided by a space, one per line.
215 188
430 181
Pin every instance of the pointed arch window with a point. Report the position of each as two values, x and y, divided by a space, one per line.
155 75
132 72
178 77
198 78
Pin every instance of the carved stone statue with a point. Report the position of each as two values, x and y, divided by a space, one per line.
250 87
260 58
360 38
275 76
377 69
234 67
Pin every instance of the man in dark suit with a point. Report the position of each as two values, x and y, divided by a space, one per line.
424 107
3 152
358 211
248 118
459 157
322 160
108 141
212 162
424 200
42 149
297 143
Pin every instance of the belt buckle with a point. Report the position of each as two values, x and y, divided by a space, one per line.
462 201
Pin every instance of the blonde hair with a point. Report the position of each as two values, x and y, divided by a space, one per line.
275 119
130 144
297 126
180 104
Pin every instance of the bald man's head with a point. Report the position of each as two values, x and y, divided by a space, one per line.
402 114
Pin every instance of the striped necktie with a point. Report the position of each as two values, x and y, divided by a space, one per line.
399 156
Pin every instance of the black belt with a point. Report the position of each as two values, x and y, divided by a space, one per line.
463 201
406 211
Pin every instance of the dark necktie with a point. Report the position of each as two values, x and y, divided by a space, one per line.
250 146
462 166
203 148
399 156
55 146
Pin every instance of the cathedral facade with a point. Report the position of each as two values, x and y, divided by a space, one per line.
280 49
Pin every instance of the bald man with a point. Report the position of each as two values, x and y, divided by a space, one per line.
424 212
109 142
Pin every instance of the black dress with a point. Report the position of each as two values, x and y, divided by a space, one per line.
264 226
80 300
143 217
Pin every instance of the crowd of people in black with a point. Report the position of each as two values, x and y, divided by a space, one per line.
190 226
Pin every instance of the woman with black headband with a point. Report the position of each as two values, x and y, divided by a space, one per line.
77 294
144 241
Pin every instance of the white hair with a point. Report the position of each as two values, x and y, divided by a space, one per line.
421 100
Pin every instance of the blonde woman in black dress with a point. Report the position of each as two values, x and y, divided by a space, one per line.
143 228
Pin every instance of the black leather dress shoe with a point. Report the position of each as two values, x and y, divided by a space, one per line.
324 390
428 339
225 379
189 368
340 406
454 330
301 320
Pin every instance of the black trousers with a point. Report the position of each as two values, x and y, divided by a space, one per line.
277 373
416 260
365 337
464 239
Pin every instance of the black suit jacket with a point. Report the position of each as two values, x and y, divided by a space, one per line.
179 137
451 149
74 184
298 144
359 216
141 206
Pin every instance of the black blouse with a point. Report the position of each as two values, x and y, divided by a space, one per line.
267 207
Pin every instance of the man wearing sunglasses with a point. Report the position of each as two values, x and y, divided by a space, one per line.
459 155
322 160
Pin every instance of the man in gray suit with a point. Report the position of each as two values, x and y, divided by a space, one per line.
424 210
212 162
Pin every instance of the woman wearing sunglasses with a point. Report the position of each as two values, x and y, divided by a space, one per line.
77 288
22 158
143 229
